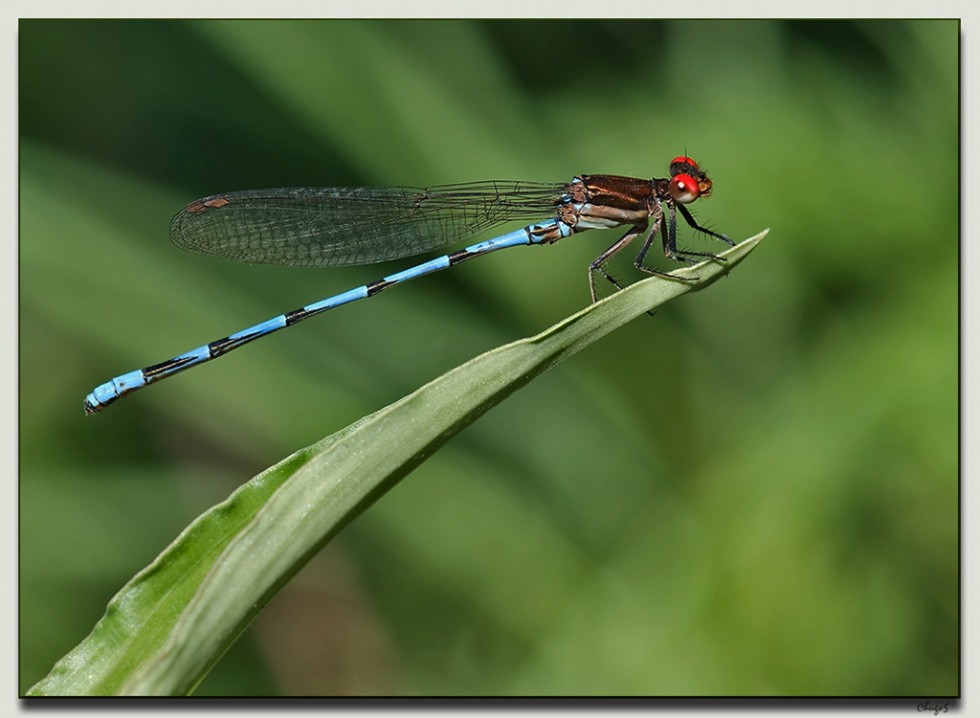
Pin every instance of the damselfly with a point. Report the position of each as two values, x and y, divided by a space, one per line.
365 225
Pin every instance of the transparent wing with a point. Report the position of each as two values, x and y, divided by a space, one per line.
353 225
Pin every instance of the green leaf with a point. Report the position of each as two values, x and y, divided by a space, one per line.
165 629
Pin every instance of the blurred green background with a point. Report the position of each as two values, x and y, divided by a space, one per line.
753 493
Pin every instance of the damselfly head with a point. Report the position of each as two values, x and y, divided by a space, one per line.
687 181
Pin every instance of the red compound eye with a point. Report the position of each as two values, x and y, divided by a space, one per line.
684 188
682 160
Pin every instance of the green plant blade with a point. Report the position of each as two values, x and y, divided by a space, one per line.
165 628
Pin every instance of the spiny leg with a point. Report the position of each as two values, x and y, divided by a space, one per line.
647 243
597 264
670 238
641 255
689 218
